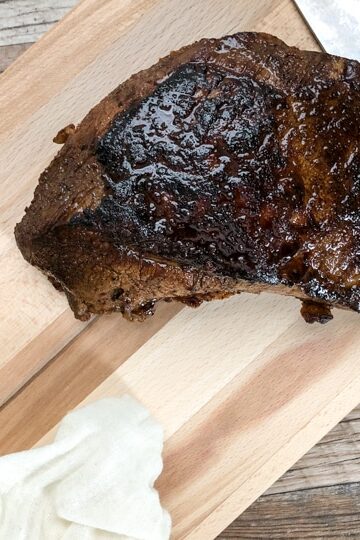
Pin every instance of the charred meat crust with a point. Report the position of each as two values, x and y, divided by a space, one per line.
231 165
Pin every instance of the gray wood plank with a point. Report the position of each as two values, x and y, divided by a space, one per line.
332 512
334 460
9 53
24 21
319 497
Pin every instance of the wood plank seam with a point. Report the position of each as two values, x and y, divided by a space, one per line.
38 372
304 489
268 27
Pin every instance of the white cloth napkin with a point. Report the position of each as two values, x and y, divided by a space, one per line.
94 482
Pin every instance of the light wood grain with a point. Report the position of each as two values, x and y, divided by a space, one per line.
54 92
317 498
233 422
22 22
75 372
78 365
334 460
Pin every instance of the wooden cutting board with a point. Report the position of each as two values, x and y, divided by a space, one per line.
242 387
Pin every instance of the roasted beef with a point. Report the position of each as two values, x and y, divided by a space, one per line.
231 165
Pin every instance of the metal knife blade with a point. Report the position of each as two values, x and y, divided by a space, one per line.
335 23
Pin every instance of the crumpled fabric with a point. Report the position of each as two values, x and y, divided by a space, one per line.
94 482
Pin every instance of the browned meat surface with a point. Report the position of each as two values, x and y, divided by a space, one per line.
231 165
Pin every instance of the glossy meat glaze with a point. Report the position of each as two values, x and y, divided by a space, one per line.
231 165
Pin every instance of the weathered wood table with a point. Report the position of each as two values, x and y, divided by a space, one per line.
320 496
